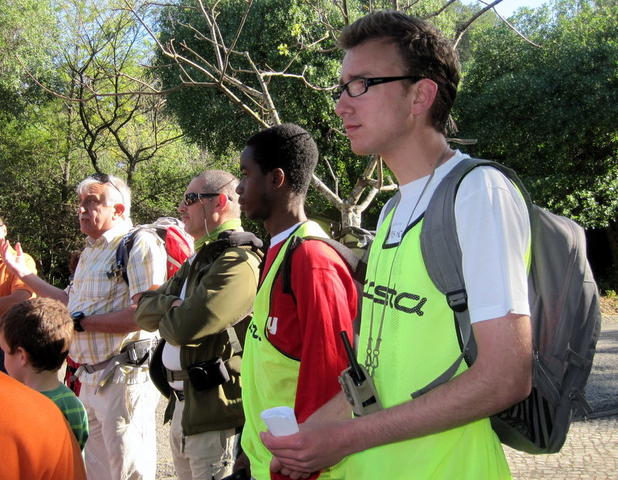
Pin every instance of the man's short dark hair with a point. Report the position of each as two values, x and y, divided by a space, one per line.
290 148
43 328
423 49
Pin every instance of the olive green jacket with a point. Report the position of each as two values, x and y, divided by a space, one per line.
220 291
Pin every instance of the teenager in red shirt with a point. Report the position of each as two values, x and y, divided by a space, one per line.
293 351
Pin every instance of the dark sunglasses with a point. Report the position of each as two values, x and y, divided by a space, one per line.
192 197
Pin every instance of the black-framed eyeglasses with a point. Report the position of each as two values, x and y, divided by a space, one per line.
359 86
192 197
105 178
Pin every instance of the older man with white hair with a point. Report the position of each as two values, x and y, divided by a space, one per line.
116 388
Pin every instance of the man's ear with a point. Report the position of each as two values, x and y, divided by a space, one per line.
423 96
222 200
277 178
119 209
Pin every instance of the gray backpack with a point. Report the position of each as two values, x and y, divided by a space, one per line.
564 307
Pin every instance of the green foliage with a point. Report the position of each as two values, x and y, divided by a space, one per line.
279 36
158 186
550 112
27 28
42 154
34 201
273 35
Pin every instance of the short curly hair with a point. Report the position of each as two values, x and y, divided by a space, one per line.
43 328
290 148
424 50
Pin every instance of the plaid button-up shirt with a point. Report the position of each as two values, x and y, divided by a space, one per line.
94 292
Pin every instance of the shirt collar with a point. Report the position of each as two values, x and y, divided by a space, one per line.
281 236
232 224
117 230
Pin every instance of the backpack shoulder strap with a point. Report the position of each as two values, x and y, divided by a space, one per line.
443 258
226 240
124 248
231 239
242 239
349 257
439 241
122 254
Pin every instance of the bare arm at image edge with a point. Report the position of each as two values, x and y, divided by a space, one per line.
23 267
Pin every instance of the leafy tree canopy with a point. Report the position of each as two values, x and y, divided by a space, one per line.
27 29
550 112
294 39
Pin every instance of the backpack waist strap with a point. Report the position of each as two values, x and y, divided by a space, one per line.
133 354
176 375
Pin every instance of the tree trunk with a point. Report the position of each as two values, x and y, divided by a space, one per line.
350 216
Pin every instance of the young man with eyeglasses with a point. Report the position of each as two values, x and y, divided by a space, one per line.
200 313
398 83
293 350
116 389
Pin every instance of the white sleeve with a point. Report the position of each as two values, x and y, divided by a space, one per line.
147 264
493 228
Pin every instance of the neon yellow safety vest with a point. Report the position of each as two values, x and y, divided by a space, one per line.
403 308
268 377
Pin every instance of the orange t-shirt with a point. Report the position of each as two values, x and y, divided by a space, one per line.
9 282
36 440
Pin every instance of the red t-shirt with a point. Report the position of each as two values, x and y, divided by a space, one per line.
305 326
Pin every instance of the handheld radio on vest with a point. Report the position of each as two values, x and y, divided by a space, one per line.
357 385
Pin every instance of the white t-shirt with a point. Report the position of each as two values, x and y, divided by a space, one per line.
170 356
281 236
494 234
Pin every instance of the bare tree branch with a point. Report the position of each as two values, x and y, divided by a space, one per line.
333 176
327 192
237 76
440 10
236 37
512 27
461 29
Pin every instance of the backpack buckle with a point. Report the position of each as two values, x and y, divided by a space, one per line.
115 273
457 300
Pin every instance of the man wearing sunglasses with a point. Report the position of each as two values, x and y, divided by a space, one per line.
399 79
202 313
116 389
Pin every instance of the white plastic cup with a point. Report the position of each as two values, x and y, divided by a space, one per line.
280 421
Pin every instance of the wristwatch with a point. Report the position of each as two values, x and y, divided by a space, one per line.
77 321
